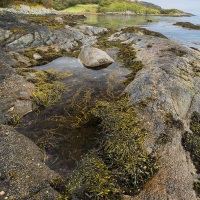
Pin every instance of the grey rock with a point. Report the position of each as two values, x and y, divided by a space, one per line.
25 174
169 83
37 56
94 57
25 9
15 90
4 34
91 30
23 41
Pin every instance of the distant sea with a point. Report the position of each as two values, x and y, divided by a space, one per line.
181 35
160 24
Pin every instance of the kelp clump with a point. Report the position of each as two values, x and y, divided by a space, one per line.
191 143
48 88
92 180
120 165
144 31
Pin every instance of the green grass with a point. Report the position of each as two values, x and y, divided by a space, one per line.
121 6
82 8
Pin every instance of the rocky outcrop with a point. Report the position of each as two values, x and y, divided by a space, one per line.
23 173
94 57
61 34
168 83
15 91
25 9
187 25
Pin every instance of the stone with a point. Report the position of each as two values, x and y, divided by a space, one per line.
37 56
2 193
58 20
94 57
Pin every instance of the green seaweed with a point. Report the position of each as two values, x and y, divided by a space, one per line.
171 122
135 67
46 56
48 89
191 143
120 165
134 29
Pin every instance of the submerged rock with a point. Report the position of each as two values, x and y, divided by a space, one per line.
94 57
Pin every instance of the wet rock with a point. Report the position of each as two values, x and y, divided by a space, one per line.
94 57
22 162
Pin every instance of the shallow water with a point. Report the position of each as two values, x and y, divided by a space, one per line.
64 130
160 24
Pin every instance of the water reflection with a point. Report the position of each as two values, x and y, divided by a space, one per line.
160 24
119 21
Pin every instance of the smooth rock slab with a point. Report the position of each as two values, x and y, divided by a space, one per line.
94 57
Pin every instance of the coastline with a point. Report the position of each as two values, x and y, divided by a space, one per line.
161 79
25 9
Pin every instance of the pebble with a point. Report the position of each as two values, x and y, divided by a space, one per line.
2 193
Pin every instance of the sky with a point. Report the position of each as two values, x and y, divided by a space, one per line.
185 5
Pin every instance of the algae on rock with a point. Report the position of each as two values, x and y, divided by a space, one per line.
48 88
120 165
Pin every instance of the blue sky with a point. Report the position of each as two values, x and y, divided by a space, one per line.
186 5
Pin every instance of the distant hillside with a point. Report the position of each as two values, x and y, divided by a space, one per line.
137 7
150 5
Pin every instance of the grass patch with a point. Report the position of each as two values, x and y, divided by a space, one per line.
82 8
171 12
122 6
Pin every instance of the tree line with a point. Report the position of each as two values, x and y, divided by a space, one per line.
57 4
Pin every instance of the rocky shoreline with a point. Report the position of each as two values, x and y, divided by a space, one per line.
163 82
27 10
188 25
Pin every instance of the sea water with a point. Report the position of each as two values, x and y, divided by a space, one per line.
160 24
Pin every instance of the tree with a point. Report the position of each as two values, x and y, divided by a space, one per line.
4 3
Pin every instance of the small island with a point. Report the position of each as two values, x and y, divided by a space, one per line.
188 25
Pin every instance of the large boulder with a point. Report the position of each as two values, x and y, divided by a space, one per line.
94 57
